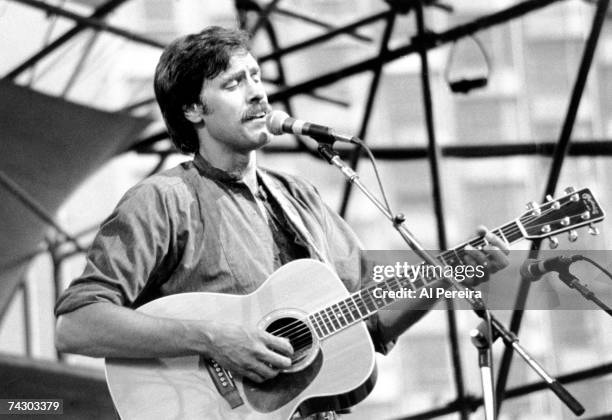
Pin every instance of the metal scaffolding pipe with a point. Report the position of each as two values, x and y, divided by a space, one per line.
561 150
516 392
591 148
316 22
432 40
434 156
374 83
91 22
100 12
326 36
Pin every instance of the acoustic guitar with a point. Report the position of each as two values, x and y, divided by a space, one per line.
305 301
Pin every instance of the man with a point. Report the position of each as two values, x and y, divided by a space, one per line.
218 224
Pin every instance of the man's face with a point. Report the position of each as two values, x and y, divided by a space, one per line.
237 106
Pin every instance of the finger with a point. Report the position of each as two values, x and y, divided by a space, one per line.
497 258
498 242
263 370
492 239
278 344
253 376
468 260
274 359
477 256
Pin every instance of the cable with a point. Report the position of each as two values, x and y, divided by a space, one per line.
581 257
362 144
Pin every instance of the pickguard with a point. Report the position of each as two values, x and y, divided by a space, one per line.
278 391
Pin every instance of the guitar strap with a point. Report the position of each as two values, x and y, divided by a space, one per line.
292 215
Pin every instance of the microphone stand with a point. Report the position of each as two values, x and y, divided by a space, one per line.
483 344
573 282
485 357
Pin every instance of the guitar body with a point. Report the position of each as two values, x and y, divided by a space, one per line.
339 372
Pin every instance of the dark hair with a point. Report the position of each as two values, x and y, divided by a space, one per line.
182 69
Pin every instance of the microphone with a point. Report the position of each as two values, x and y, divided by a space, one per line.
279 122
534 269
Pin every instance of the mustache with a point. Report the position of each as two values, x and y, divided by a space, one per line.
252 111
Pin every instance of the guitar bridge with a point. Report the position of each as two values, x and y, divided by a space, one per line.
224 382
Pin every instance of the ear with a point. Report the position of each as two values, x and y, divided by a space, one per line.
193 113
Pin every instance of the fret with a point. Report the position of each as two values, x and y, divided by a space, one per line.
418 283
313 322
398 283
332 316
348 311
457 255
357 306
323 323
340 315
369 304
407 283
443 260
447 257
500 232
512 231
379 301
452 258
363 308
329 317
427 280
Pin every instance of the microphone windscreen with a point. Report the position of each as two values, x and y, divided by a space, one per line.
274 122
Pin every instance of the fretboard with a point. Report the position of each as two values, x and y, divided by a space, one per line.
364 303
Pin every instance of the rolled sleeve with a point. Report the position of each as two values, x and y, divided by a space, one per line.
124 253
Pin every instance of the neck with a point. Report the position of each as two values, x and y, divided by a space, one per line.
239 165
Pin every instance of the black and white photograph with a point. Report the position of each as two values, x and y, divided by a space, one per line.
306 209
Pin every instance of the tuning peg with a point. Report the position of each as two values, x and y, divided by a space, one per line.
573 235
553 243
569 190
534 208
549 197
593 230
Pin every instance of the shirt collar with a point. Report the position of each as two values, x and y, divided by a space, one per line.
211 172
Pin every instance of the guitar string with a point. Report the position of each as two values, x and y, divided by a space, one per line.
303 332
528 218
334 320
368 299
301 326
344 312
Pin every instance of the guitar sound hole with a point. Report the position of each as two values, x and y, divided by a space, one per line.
297 332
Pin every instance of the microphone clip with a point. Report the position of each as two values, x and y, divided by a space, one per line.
324 139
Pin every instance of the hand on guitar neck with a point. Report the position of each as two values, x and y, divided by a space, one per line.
493 255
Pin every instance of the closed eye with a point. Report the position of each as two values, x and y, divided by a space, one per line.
231 84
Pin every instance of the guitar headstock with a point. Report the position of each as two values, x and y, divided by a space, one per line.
576 208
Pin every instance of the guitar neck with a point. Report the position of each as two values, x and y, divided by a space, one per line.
364 303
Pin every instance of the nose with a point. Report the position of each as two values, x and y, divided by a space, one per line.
255 91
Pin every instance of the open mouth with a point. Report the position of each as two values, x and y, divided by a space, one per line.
256 116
